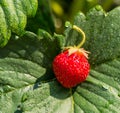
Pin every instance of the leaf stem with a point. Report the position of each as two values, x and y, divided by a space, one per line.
83 35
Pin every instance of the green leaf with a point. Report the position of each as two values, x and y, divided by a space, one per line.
99 94
49 97
102 34
43 18
16 77
24 64
40 50
13 17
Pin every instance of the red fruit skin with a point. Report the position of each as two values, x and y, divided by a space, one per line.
71 70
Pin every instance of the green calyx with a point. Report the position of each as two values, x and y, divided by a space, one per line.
72 49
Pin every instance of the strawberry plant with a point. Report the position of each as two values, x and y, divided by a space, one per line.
71 67
29 46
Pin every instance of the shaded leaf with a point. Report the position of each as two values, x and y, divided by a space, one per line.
43 18
24 64
40 50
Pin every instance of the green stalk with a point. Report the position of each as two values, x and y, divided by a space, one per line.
82 33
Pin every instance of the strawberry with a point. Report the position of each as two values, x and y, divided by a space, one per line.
71 67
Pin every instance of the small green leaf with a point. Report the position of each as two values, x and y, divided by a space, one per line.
68 24
13 17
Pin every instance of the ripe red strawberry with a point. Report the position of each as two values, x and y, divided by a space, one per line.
71 67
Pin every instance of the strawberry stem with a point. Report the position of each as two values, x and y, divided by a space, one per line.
81 32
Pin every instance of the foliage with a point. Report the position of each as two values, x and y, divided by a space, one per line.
13 17
63 11
27 82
